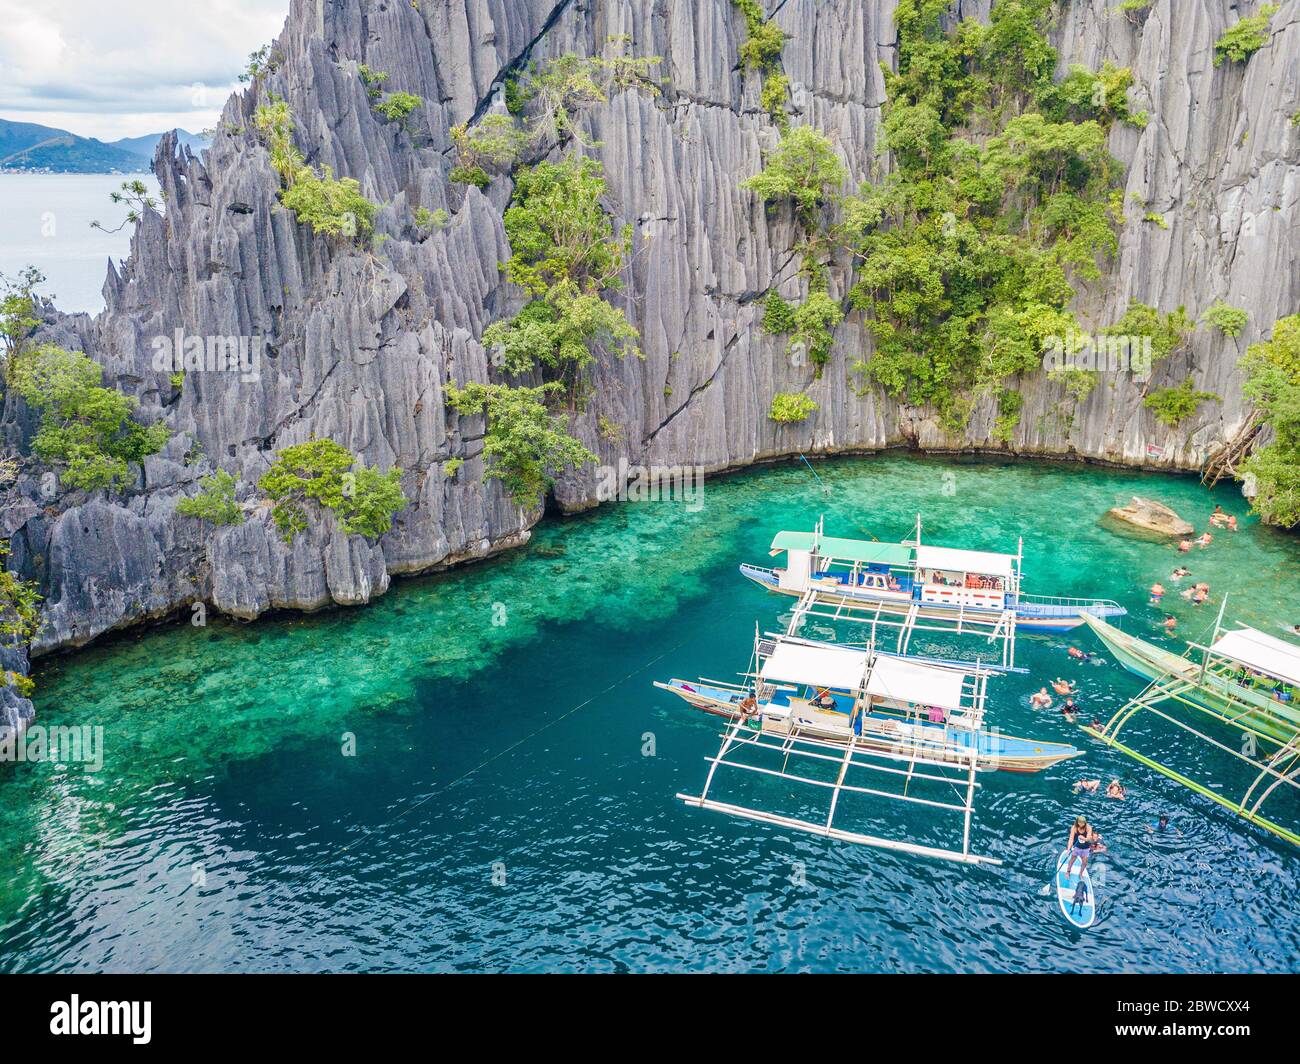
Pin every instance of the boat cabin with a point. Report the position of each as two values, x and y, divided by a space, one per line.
1259 663
834 691
903 572
814 560
948 576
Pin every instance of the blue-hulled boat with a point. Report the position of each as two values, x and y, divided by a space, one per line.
878 701
940 583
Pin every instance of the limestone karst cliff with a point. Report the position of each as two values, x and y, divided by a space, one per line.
360 344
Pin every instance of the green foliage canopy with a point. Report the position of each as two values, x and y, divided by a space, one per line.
215 501
84 426
322 472
525 445
1273 383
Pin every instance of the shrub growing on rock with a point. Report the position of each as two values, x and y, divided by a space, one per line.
803 169
321 472
215 501
1242 40
85 427
1231 321
1273 383
789 407
1174 405
525 444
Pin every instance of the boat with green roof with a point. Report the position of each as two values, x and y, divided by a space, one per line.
909 577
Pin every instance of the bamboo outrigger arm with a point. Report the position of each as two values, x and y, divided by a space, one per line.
940 761
1169 688
896 845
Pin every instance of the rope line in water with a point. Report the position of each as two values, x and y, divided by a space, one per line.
825 489
515 745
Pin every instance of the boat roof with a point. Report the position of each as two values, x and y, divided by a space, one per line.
965 561
849 550
909 682
819 665
1264 653
842 668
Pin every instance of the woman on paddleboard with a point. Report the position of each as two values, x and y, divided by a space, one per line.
1080 845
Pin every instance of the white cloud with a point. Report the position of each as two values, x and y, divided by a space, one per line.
124 68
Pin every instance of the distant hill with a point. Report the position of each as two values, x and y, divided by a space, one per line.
28 146
145 145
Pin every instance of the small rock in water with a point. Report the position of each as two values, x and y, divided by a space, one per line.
1151 516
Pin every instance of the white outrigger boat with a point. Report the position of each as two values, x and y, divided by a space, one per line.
1246 685
965 587
860 709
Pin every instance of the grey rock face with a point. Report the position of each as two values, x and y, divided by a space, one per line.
16 712
360 345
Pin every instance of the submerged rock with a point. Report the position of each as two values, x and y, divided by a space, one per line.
1151 516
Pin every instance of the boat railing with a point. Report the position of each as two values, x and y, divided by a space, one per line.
1064 600
746 567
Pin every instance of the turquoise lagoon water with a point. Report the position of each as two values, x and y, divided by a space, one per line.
501 811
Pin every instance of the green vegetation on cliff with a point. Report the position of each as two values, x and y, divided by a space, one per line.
761 52
564 254
1243 39
1002 187
326 474
330 206
803 170
19 614
19 315
214 502
542 105
1273 383
85 428
790 407
1174 405
525 444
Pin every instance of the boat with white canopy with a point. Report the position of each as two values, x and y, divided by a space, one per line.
959 586
813 687
1244 685
860 716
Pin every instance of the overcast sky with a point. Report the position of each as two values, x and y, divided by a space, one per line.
123 68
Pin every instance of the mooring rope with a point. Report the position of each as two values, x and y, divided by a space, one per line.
513 746
825 489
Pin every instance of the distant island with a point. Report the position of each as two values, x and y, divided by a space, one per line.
30 148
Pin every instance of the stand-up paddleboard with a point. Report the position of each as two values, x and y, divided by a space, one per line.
1080 913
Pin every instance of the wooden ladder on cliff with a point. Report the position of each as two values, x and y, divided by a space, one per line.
1223 462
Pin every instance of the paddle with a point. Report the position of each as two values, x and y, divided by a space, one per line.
1047 887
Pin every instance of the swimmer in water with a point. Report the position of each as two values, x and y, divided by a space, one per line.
1070 710
1171 622
1079 655
1087 786
1062 687
1162 825
1231 522
1204 540
1184 545
1115 789
1157 593
1180 572
1040 699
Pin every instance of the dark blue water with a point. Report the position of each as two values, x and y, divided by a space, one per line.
510 804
